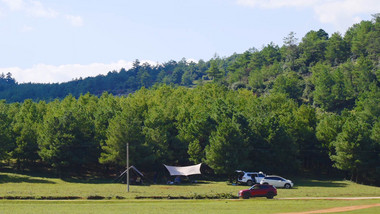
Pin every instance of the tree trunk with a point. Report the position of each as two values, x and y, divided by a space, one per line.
352 175
357 174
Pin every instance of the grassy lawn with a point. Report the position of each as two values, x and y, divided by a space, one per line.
328 188
257 205
12 184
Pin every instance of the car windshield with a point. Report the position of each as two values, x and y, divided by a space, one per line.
256 187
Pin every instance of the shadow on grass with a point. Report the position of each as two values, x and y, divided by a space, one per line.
194 183
319 183
22 179
30 173
86 180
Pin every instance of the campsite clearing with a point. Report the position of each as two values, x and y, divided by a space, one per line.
13 184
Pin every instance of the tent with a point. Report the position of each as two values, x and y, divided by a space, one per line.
133 170
184 170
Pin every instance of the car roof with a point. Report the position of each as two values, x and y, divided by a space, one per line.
254 172
263 185
249 172
274 176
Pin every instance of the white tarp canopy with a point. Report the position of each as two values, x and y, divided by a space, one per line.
184 170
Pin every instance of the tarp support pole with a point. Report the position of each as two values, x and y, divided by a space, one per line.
127 167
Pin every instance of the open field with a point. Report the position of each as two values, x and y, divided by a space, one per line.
22 185
18 185
258 205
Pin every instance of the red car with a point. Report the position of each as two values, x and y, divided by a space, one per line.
259 190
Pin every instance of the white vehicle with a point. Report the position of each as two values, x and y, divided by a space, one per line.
249 178
277 181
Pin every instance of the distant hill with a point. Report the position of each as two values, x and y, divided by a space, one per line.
115 82
304 69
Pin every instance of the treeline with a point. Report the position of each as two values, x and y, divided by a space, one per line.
227 129
311 105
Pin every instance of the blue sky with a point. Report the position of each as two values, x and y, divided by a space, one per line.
56 41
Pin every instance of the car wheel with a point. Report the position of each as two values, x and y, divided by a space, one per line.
246 195
270 195
249 183
287 186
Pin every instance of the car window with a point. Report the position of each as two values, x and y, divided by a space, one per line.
274 178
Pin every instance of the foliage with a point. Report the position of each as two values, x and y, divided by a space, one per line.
5 131
66 136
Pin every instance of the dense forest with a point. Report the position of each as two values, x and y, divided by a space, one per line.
311 105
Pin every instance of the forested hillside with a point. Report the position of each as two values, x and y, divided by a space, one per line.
303 69
118 83
310 105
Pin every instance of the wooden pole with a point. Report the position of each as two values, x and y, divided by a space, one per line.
127 167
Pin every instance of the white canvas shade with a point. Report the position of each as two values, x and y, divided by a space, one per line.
184 170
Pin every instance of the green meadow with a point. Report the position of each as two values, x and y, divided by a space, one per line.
116 199
257 205
31 186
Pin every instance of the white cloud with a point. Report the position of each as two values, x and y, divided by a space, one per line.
276 3
76 21
191 60
346 11
341 13
43 73
33 8
26 29
37 9
14 4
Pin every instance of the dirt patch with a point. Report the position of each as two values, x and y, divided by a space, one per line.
338 209
329 198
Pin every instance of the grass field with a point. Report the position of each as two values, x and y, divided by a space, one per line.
256 205
22 185
12 184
